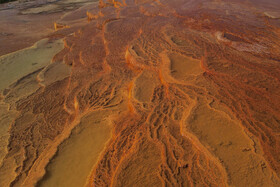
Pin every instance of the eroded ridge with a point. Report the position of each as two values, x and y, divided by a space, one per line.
190 87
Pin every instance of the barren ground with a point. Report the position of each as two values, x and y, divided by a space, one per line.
140 93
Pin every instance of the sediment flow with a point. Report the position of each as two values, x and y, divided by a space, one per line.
146 93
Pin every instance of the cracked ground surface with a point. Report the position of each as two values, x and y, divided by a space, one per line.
145 92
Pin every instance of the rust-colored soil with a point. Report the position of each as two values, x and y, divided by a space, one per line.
144 93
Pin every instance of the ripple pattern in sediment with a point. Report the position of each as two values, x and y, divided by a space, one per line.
192 89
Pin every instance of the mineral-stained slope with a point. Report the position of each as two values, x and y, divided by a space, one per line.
191 90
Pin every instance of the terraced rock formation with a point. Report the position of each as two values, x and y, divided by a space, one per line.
148 93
